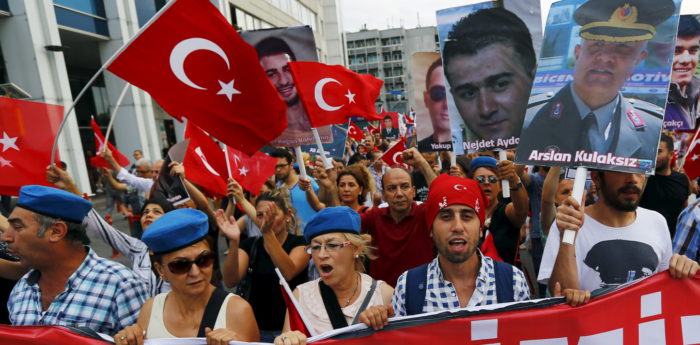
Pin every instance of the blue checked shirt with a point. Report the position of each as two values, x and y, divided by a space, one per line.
101 295
687 239
440 294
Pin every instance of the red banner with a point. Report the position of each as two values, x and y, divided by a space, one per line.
657 310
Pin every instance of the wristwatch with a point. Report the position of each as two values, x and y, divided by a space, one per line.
517 186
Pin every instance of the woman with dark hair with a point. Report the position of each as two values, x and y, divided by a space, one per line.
256 259
194 307
353 185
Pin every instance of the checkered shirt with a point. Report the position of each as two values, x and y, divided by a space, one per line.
440 294
687 239
101 295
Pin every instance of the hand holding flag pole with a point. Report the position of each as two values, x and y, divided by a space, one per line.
505 186
577 193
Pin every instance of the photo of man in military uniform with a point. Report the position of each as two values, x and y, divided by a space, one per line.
590 114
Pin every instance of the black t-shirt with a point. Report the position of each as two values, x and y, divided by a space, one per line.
505 235
265 294
421 186
666 195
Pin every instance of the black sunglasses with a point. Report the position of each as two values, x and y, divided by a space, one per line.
182 266
437 93
482 179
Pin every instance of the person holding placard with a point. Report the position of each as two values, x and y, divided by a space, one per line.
590 116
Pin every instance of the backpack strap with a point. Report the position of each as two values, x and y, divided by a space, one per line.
211 311
330 302
415 289
504 281
365 302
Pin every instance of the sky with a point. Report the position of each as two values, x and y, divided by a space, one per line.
382 14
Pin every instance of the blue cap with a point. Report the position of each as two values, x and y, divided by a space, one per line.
332 219
482 162
175 230
53 202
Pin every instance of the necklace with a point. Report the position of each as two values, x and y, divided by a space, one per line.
357 283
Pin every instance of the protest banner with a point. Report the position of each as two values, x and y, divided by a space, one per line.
430 99
601 85
275 48
682 105
654 310
488 62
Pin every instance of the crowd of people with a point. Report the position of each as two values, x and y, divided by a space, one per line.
357 243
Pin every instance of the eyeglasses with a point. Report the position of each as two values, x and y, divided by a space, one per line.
330 247
437 93
280 166
182 266
482 179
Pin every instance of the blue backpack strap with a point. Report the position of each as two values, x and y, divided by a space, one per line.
504 281
415 289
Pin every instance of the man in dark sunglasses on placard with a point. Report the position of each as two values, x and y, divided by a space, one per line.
435 100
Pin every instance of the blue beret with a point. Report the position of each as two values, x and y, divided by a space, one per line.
175 230
53 202
332 219
482 162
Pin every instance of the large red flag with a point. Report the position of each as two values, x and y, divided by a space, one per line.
333 94
98 161
204 161
392 156
195 65
251 172
27 131
355 132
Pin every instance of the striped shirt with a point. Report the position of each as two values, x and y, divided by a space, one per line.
101 295
687 239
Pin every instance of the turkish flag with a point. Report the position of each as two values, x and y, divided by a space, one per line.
333 94
99 162
355 132
408 119
372 129
392 156
691 162
204 161
195 65
28 130
251 172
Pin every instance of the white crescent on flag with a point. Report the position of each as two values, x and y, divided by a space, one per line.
318 94
198 150
393 158
183 49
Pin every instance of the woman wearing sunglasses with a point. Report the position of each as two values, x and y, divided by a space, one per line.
504 217
257 258
337 298
194 307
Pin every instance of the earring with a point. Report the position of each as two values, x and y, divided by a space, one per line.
357 256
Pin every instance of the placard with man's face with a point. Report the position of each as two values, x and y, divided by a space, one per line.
430 99
488 61
682 106
601 85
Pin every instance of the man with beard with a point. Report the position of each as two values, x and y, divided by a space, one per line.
616 241
591 113
461 276
681 110
667 191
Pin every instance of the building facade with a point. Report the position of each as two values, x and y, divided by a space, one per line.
51 49
387 54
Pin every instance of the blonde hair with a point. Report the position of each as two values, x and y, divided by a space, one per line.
281 198
363 244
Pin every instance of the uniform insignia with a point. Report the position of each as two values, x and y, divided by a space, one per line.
556 111
636 120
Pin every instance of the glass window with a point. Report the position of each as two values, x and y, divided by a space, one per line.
94 7
372 57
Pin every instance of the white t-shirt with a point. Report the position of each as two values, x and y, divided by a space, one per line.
607 256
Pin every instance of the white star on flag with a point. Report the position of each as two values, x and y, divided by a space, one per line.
8 142
243 171
350 96
5 163
228 90
695 157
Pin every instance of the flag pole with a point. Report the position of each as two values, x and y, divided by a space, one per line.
228 163
283 282
99 71
505 186
300 161
113 116
577 193
326 163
